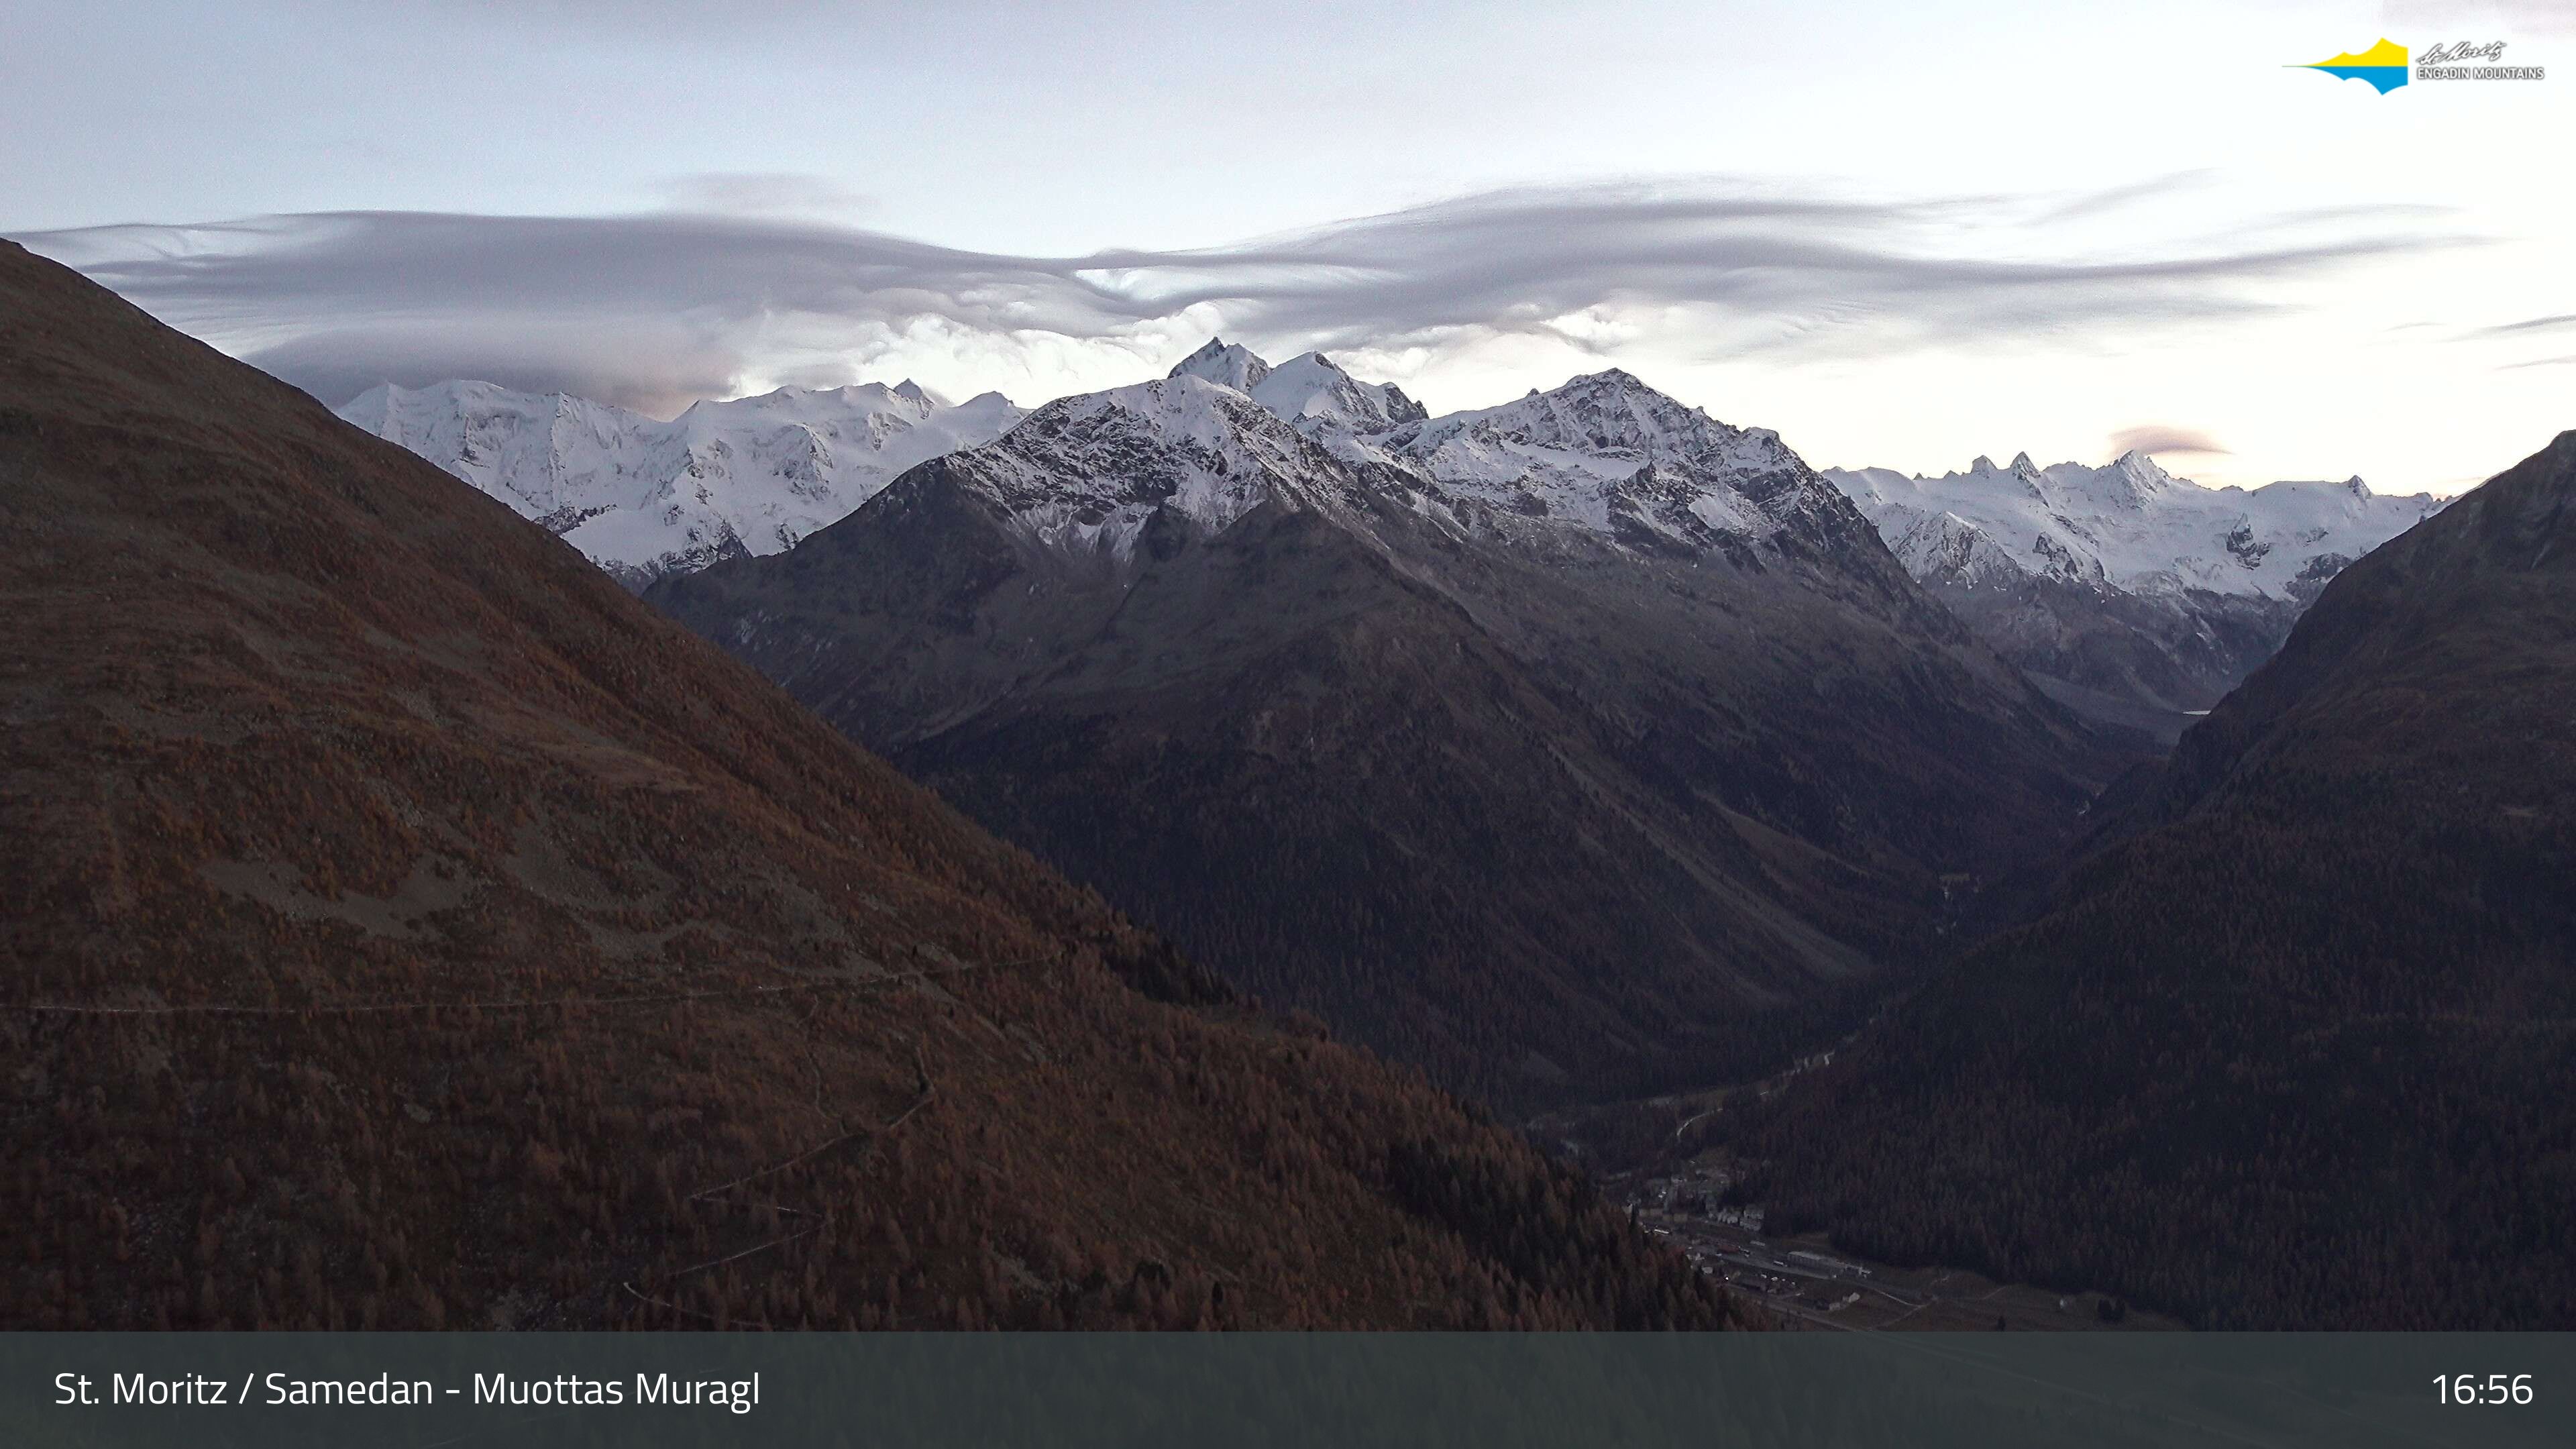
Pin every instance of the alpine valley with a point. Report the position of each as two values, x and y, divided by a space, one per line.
410 929
1578 746
2292 1044
2133 598
664 677
1587 748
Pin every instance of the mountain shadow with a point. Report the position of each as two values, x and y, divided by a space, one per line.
408 928
2294 1047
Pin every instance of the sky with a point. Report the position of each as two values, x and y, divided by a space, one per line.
1902 233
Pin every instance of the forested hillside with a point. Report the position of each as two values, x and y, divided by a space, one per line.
2295 1047
406 928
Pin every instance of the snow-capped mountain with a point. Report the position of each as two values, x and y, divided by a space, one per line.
2129 523
1224 364
1540 743
1607 453
642 497
1094 471
1603 455
2127 592
1311 391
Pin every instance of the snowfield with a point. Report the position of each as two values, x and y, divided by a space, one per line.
2128 524
641 497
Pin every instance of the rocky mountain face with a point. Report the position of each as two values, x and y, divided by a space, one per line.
641 498
1580 745
2296 1045
408 928
2127 594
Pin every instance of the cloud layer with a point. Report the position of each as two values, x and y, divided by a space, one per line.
654 310
2154 438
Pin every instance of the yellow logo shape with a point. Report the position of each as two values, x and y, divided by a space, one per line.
2383 65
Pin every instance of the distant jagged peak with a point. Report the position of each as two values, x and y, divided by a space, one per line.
2021 469
1618 390
2140 474
1091 473
1313 390
1603 453
1310 390
2143 527
1310 369
1185 420
1225 364
2351 492
2132 480
1617 385
1184 405
1613 415
907 400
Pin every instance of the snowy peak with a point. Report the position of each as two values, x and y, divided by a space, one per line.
2133 480
1609 453
1604 455
1224 365
2021 476
2131 525
2020 467
1091 473
1310 391
1611 415
1313 392
2132 596
641 497
1186 412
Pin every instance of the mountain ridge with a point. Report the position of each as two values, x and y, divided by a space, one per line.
415 931
2139 598
1292 692
2292 1046
640 497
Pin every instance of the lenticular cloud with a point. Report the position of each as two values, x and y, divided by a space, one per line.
653 310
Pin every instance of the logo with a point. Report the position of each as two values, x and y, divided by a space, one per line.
2443 62
2383 65
2386 66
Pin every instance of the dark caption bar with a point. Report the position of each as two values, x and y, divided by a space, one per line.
428 1391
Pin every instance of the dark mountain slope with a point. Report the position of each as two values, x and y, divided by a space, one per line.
407 928
2153 663
2297 1048
1515 766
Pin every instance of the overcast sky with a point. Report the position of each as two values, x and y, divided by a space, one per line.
1901 233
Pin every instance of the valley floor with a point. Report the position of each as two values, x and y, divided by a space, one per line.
1653 1159
1809 1283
